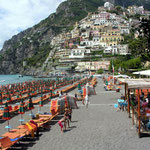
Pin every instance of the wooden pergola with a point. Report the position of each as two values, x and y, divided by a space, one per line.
136 85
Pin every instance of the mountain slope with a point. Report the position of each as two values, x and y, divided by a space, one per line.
126 3
33 44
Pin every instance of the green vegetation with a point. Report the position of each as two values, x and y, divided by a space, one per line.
1 58
123 64
139 49
100 71
97 52
74 11
127 3
8 51
15 45
113 11
40 56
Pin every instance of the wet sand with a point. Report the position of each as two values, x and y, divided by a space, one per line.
98 127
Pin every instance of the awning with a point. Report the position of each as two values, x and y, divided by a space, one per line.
136 83
145 72
121 75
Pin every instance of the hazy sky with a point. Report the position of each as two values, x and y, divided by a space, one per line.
18 15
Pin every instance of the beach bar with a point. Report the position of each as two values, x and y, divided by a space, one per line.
137 94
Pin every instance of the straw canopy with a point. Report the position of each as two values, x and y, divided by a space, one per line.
145 72
136 83
6 114
30 104
22 108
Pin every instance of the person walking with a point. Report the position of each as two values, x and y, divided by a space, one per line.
86 100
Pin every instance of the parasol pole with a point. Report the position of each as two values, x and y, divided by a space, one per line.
21 119
8 125
113 71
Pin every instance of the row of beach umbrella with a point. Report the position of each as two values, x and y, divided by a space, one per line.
31 87
6 113
21 111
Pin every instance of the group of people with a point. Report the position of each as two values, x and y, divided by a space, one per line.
65 121
144 100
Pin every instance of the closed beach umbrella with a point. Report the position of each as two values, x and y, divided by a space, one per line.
6 115
41 101
79 86
9 98
1 99
30 104
17 94
21 110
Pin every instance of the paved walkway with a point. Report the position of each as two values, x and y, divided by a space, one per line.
98 127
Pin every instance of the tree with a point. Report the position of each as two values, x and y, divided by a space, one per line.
100 71
138 47
144 30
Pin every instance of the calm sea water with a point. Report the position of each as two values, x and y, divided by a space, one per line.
8 79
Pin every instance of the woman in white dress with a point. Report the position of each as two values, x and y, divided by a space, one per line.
86 100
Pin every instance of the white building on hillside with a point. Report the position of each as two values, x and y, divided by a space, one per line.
118 50
79 53
108 5
123 49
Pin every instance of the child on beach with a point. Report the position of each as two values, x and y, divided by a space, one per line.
66 116
70 114
60 124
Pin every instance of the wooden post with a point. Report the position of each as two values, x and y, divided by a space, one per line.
125 94
129 103
132 115
139 114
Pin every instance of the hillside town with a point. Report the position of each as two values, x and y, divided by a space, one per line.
99 34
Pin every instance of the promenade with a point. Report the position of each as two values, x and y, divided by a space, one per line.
98 127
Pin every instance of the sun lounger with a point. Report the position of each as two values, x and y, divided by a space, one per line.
16 108
6 143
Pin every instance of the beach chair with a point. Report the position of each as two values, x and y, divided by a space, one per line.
16 108
10 108
5 143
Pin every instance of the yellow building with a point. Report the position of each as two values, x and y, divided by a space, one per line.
111 37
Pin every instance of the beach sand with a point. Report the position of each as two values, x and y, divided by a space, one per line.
98 127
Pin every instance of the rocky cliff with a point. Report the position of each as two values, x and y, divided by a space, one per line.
33 45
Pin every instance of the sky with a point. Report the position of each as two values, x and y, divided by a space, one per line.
18 15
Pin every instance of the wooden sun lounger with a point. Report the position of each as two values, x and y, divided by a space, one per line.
43 119
6 143
12 137
21 131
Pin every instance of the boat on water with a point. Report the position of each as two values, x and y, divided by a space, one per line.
20 76
2 81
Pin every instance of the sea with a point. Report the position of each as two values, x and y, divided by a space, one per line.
9 79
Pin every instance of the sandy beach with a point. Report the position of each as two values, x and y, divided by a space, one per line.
98 127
